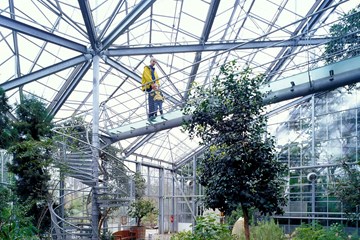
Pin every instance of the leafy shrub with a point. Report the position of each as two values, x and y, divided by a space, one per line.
267 230
14 224
184 235
315 231
207 228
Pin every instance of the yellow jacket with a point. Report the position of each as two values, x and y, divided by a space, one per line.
146 79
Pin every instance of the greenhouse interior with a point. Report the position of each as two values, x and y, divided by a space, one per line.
83 156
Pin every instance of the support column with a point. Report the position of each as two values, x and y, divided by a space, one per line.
161 201
62 188
313 130
313 156
194 191
95 149
176 217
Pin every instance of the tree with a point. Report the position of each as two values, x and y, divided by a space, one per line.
346 45
141 207
239 166
32 154
346 37
6 130
347 189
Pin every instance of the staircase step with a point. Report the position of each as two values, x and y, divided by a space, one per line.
80 169
77 229
79 154
104 201
79 161
90 183
80 176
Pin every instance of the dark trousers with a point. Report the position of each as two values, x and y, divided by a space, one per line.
158 106
151 112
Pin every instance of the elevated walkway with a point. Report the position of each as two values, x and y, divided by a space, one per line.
171 119
320 79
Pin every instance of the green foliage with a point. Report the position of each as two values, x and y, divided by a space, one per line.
316 232
75 206
151 219
184 235
32 148
206 228
34 121
31 158
74 133
347 189
14 224
267 230
141 208
346 37
239 166
139 185
6 130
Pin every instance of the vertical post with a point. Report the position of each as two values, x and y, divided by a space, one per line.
313 156
176 217
313 130
62 186
313 200
95 149
161 200
194 191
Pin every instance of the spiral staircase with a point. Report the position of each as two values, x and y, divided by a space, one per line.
71 212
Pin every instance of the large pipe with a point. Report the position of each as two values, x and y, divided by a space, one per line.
320 85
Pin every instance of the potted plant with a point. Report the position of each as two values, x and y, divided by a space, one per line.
141 207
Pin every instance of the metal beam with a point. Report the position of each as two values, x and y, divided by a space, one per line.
135 13
40 34
126 51
130 150
122 69
89 22
15 41
195 153
68 87
214 5
20 81
304 27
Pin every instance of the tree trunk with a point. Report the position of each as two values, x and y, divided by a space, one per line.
246 222
102 219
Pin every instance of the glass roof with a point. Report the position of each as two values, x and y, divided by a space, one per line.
47 48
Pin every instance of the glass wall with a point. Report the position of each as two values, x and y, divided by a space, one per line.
313 139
